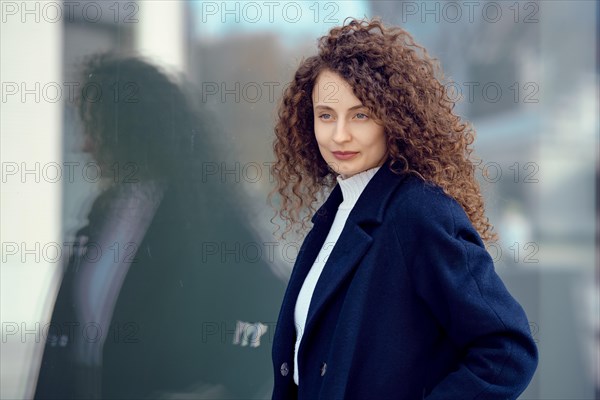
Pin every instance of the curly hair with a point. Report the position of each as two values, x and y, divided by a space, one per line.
140 121
402 87
134 114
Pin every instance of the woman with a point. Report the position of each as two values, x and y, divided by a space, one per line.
393 294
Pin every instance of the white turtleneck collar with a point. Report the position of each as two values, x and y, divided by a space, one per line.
353 186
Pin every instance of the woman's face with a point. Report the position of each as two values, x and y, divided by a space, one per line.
349 140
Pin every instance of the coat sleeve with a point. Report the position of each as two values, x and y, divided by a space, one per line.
454 275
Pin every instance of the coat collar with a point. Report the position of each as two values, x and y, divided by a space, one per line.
371 205
352 244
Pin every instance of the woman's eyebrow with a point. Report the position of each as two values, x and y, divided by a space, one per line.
324 107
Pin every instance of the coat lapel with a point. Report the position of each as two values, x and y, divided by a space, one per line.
351 246
343 260
354 241
322 220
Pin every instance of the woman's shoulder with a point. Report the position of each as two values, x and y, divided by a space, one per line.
419 202
416 194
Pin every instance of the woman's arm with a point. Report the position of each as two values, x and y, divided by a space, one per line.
454 275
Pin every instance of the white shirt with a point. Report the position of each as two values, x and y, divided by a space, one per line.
352 188
101 274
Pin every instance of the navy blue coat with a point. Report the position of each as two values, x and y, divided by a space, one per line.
408 305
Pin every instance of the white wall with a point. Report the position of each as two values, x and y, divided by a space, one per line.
30 211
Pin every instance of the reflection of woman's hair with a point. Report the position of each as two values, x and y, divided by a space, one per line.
143 125
398 81
138 119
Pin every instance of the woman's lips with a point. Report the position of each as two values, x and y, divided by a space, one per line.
344 155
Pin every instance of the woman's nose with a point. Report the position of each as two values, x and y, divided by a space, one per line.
341 133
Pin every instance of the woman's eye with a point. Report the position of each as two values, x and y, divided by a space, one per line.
362 116
325 116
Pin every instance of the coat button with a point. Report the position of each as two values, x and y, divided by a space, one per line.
284 369
323 369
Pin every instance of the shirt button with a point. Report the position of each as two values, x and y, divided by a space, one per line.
323 369
284 369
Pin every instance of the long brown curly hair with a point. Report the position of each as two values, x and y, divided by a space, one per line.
401 85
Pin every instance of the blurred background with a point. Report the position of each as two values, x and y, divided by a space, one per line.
525 74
